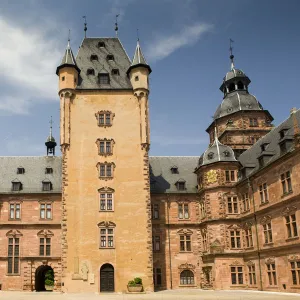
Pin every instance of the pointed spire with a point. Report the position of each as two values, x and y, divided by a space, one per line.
231 55
68 59
51 128
50 142
116 25
139 59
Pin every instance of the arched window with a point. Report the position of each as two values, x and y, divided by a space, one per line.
186 277
231 87
240 85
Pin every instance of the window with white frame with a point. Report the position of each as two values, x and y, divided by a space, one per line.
185 243
14 211
235 239
268 233
106 237
286 182
263 192
187 277
248 237
45 246
271 272
106 170
45 211
106 201
291 226
237 276
183 211
245 202
232 205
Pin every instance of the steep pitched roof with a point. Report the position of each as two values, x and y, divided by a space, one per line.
35 167
250 156
162 180
103 49
68 60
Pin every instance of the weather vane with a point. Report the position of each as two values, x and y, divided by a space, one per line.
85 27
116 25
137 34
230 49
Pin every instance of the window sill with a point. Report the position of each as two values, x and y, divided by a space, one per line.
189 219
186 251
106 248
268 244
233 214
106 178
265 203
45 220
106 210
286 194
104 125
187 285
294 238
14 219
7 274
238 285
246 211
295 286
249 248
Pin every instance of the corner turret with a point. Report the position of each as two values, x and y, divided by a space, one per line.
68 70
139 71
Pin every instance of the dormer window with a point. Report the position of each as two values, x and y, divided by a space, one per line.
264 146
16 186
49 170
174 170
103 78
283 133
210 155
180 184
46 185
226 153
110 57
101 45
20 170
94 57
115 72
90 71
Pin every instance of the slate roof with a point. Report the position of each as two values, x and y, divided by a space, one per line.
67 60
163 181
34 175
217 152
113 46
237 101
249 157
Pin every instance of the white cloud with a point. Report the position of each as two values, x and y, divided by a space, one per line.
163 46
28 57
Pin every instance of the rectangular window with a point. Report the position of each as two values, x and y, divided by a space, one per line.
181 186
101 119
46 186
286 182
13 260
263 191
295 269
183 211
108 170
232 205
157 276
107 119
103 78
105 170
101 147
235 239
268 233
236 275
156 243
106 201
291 226
252 275
45 211
180 211
246 202
49 171
230 176
45 246
106 238
271 271
186 211
253 122
248 237
185 243
15 211
204 241
16 186
155 211
202 210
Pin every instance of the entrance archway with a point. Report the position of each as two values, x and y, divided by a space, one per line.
40 277
107 278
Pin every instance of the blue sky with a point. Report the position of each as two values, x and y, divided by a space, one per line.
185 42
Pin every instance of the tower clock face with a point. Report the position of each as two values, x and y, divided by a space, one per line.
211 176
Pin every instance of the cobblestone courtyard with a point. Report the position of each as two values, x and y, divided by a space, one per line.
165 295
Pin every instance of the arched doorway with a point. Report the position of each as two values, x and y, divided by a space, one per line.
107 278
40 277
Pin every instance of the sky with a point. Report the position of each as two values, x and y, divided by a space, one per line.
186 43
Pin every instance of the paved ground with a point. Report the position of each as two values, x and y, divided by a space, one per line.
165 295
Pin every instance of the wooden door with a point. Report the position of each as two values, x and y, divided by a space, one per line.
107 282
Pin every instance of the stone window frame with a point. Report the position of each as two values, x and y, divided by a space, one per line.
245 202
202 208
106 191
268 233
105 113
232 204
263 190
235 236
190 280
252 273
248 237
291 226
185 240
45 237
253 122
107 225
286 183
156 240
46 209
182 205
271 272
15 235
48 170
205 242
105 141
20 170
237 275
295 272
155 211
230 176
106 164
15 203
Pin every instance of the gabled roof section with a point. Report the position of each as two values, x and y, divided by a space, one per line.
68 60
139 59
94 46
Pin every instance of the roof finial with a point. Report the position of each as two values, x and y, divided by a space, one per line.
51 122
69 38
137 34
85 27
231 55
116 25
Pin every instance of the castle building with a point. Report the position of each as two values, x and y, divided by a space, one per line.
105 212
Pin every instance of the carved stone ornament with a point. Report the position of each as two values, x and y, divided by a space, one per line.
184 231
288 210
270 260
247 225
211 176
250 263
236 263
112 143
84 271
186 266
14 233
106 224
106 189
294 257
45 233
265 220
104 112
216 247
